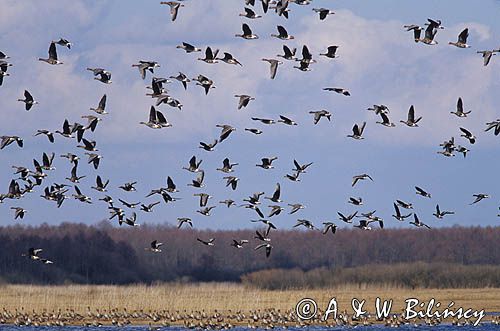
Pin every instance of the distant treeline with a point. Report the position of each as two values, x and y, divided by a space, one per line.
104 254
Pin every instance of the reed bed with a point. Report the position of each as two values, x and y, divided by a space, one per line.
224 297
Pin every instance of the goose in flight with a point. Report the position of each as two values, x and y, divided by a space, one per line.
274 66
239 243
226 131
418 223
100 185
460 109
227 166
52 59
440 214
204 82
295 207
357 178
149 208
270 226
88 145
66 132
210 57
231 181
156 119
357 132
267 246
365 224
208 147
348 218
276 195
421 192
228 202
74 178
417 31
249 13
254 131
174 8
80 196
267 162
294 177
188 48
247 33
318 114
493 125
181 78
275 210
478 197
338 90
243 100
130 205
229 59
33 253
462 39
306 55
329 226
28 100
430 33
282 34
487 56
356 201
143 66
101 107
301 168
154 247
19 212
386 121
254 198
95 159
203 198
7 140
130 221
193 165
198 182
403 204
411 121
205 211
304 66
289 54
209 242
331 52
468 135
182 220
104 75
254 207
323 12
264 120
398 215
286 120
379 109
128 187
305 223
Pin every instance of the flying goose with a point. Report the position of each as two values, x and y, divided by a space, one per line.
52 59
19 212
104 75
468 135
243 100
403 204
293 177
205 211
435 24
275 210
462 39
226 131
157 87
156 119
398 215
338 90
286 120
247 33
181 78
7 140
239 243
267 246
386 121
66 132
33 253
74 178
348 218
100 185
144 66
331 52
174 8
440 214
301 168
289 54
182 220
47 161
267 162
254 207
274 66
229 59
198 182
208 147
479 197
203 198
318 114
130 205
227 166
264 120
417 31
323 12
254 131
357 178
418 223
460 109
487 56
356 201
306 56
493 125
154 247
94 158
281 8
193 165
210 57
254 198
379 109
411 121
209 242
304 66
88 145
188 48
305 223
329 226
276 195
101 107
421 192
227 202
128 187
71 157
28 100
270 226
130 221
204 82
249 13
282 34
357 132
295 207
80 196
365 224
430 33
149 208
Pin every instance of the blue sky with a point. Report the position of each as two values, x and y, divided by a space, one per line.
379 63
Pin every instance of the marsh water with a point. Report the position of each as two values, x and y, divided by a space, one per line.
442 327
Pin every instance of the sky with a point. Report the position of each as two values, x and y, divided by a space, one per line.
379 63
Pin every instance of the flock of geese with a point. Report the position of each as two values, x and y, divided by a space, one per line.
28 179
